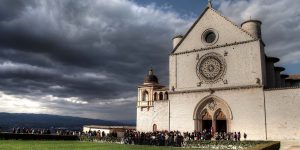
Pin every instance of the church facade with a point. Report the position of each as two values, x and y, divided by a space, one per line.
220 78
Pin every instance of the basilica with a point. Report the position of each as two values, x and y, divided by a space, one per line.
220 78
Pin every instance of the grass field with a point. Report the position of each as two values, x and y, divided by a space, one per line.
77 145
73 145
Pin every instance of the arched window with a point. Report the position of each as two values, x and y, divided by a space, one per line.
166 97
145 96
161 96
155 96
154 128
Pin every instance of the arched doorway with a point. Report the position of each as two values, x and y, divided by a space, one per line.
221 121
216 107
206 121
154 128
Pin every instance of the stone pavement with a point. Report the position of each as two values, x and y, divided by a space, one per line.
290 145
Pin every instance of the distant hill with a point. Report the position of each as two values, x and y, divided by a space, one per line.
15 120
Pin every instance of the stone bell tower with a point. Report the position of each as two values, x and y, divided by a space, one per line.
145 91
152 104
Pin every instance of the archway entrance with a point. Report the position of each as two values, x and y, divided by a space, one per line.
221 123
206 121
212 114
154 128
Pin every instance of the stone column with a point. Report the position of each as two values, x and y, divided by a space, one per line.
214 124
196 124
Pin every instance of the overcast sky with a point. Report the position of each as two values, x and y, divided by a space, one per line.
86 58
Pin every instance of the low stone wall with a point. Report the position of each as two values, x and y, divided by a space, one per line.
12 136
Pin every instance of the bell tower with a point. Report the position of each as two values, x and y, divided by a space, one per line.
146 94
152 105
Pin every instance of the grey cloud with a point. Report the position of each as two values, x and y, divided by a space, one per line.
280 28
93 50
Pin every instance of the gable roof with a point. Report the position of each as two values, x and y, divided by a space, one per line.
199 18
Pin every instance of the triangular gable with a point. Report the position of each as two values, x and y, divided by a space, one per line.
210 18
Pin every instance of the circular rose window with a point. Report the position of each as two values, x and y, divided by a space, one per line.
210 37
211 67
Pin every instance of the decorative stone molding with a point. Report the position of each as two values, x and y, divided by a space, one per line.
212 105
214 47
216 103
282 88
217 89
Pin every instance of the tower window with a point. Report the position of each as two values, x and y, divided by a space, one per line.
161 96
145 96
166 97
155 96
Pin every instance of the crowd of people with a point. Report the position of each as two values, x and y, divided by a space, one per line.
30 131
99 135
176 138
45 131
158 138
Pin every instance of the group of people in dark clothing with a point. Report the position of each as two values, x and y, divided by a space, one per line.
176 138
173 138
98 134
30 131
45 131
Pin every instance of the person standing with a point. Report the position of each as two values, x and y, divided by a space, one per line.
245 136
235 136
239 136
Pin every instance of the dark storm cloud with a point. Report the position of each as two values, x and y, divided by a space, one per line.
94 50
10 9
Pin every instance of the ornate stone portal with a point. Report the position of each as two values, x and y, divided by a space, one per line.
211 67
212 112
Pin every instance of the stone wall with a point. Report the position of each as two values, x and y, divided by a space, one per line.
283 115
227 32
159 115
262 114
243 67
244 55
247 107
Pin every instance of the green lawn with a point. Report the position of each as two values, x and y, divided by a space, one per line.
72 145
77 145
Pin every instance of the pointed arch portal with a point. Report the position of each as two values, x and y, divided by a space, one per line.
212 113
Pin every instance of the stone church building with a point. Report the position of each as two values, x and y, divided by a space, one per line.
220 78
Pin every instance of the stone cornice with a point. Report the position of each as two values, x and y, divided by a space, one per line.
214 47
212 90
282 88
